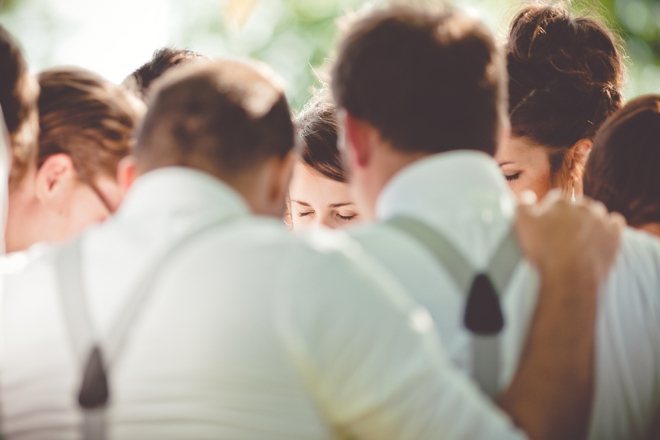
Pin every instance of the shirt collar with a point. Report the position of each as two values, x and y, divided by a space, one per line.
181 191
460 184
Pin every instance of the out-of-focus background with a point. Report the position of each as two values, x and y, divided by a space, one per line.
296 37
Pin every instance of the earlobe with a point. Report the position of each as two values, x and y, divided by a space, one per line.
126 173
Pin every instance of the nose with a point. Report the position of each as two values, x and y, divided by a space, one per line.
327 223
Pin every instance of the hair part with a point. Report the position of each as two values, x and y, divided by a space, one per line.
223 117
88 118
622 170
318 129
429 81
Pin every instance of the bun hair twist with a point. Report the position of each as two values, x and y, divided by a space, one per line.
565 75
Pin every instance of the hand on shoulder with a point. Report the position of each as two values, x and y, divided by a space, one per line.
565 239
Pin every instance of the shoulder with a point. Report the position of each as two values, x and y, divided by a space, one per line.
633 286
640 254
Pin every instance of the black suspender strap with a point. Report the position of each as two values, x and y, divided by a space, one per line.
94 355
483 315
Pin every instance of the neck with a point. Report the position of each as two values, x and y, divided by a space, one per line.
385 164
651 228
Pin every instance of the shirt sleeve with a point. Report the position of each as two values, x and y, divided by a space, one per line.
369 356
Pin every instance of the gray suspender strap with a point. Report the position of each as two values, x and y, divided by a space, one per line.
457 266
96 356
483 314
67 268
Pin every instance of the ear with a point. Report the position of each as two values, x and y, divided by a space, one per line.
358 140
581 151
281 179
126 173
579 155
54 177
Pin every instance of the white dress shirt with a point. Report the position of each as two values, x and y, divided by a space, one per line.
251 333
464 196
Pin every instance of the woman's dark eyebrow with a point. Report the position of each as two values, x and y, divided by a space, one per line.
339 205
302 203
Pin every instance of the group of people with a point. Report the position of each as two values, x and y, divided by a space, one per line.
489 288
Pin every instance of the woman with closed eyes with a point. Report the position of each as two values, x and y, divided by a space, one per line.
319 193
565 79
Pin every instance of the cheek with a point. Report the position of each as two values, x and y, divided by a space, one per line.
537 180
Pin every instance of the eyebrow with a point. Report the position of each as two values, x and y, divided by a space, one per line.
334 205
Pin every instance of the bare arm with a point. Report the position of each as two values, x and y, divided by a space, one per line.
573 246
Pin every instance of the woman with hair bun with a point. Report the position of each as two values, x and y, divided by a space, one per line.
622 170
319 193
565 79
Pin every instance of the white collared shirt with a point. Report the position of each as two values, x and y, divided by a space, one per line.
463 195
250 334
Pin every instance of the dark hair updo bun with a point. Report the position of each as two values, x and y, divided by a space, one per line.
565 76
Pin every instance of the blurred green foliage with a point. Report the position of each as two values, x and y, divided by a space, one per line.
297 37
302 40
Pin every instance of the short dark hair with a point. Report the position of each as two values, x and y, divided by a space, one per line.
18 97
622 170
223 117
317 127
88 118
565 77
163 59
429 81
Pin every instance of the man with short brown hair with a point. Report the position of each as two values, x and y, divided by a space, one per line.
86 127
422 99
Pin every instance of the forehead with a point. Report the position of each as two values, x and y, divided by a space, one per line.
520 151
310 186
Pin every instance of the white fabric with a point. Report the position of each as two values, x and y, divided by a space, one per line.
251 334
464 196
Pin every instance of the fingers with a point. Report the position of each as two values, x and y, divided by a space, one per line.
557 232
528 197
554 196
618 219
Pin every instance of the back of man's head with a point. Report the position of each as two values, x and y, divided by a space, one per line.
163 59
222 117
428 81
88 118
